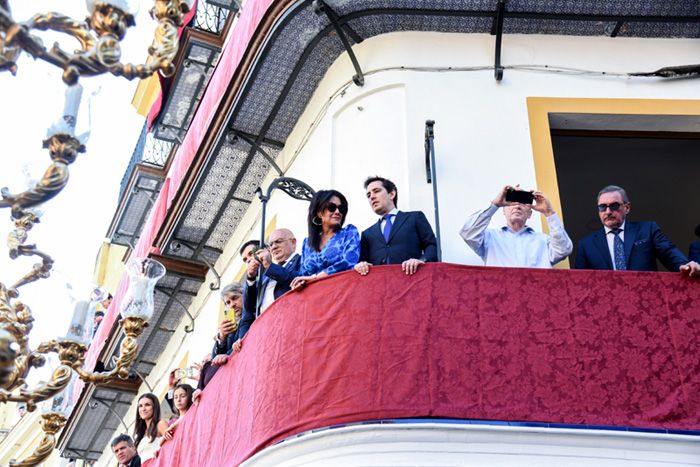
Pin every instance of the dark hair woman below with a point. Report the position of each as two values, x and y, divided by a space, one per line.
330 247
182 397
147 426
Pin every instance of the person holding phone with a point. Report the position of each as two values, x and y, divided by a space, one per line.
233 327
516 244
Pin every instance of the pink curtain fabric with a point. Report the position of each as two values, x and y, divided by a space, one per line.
558 346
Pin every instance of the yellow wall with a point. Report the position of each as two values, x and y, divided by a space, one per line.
146 94
109 266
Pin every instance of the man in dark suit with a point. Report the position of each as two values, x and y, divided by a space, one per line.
694 252
281 264
623 245
125 451
398 237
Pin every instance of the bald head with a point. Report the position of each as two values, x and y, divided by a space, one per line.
282 244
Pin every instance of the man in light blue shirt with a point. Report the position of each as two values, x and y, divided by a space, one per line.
516 244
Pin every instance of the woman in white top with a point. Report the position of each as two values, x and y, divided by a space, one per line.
147 426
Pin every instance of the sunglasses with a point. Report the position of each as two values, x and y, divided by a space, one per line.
613 207
332 207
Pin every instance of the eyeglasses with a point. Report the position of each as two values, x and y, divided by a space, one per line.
332 207
279 241
613 207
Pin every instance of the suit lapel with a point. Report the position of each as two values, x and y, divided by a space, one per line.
602 244
376 230
398 222
630 237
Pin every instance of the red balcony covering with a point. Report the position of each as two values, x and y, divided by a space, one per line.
578 347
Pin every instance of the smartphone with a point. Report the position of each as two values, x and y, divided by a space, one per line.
519 196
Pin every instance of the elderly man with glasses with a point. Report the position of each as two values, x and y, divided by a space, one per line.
622 245
280 264
516 244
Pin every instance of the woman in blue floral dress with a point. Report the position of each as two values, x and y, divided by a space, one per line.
330 247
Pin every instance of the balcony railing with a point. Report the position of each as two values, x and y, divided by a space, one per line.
148 150
210 18
587 348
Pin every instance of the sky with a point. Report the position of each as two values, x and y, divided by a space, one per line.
75 222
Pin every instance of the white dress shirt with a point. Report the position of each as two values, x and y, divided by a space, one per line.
525 248
269 292
611 241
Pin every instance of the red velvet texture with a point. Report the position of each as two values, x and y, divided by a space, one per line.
575 347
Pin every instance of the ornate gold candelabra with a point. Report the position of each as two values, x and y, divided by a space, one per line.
99 37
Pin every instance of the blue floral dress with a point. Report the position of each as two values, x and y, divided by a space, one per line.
341 253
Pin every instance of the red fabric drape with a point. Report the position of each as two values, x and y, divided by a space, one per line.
578 347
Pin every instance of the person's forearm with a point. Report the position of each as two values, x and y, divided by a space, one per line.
472 232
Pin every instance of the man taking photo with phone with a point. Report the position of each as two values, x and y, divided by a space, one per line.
516 244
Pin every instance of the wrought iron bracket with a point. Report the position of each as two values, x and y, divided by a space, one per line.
93 406
497 30
233 136
141 377
292 187
189 328
431 176
322 7
429 135
177 244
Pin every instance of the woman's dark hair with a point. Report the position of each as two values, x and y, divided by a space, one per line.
140 425
319 202
188 392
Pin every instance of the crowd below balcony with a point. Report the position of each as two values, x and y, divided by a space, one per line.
404 238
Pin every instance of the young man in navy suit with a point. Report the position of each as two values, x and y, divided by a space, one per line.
633 246
398 237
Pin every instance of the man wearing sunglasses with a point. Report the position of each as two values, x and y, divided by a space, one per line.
280 264
622 245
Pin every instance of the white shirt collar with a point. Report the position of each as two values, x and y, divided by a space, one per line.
608 229
393 212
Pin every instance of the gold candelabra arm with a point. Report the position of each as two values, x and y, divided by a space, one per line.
133 327
98 54
59 380
161 55
64 149
51 423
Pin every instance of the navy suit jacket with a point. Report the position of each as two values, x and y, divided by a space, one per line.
411 237
644 243
282 274
694 252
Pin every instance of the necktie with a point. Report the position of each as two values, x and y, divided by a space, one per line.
619 251
387 227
